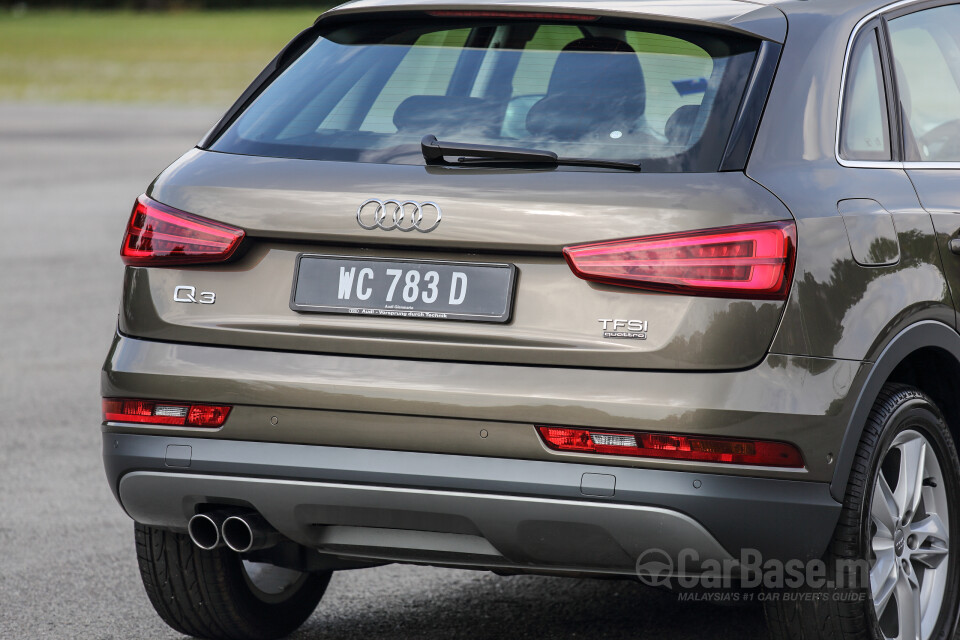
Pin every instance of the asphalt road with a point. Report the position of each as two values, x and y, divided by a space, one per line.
68 178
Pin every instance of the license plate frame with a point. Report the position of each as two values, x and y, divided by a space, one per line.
498 311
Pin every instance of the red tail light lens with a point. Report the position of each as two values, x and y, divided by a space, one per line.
158 235
675 447
154 412
750 261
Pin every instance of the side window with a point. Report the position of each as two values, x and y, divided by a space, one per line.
677 75
865 130
927 63
425 70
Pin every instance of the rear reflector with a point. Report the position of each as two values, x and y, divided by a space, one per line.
539 15
658 445
156 412
749 261
158 235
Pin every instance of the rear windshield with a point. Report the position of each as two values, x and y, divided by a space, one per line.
595 89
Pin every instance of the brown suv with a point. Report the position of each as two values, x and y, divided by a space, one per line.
659 290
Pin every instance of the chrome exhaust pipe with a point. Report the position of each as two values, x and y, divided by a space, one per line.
248 532
204 529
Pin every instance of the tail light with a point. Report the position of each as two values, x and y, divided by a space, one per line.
158 235
675 447
154 412
749 261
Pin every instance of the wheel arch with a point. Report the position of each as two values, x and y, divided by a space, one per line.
925 355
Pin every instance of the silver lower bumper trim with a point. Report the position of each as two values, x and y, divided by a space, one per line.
431 526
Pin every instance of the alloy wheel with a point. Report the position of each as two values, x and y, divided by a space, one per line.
909 538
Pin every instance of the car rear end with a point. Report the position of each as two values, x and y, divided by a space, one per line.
480 362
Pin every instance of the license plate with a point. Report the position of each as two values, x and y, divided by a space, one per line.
435 290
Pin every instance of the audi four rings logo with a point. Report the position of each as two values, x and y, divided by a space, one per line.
392 214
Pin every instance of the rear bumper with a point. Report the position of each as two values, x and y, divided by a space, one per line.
460 510
447 407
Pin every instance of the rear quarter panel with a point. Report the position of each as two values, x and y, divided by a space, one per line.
838 308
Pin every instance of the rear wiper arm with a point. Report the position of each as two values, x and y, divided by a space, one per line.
435 153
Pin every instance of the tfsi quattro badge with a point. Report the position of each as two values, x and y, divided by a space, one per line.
624 329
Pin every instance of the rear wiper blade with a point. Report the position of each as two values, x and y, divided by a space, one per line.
436 152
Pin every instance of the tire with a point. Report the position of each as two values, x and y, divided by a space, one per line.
214 594
905 431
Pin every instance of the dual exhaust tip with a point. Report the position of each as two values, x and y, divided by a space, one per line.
240 531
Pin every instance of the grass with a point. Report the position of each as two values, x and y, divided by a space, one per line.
189 57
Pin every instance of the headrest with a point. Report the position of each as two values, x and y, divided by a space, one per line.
680 124
597 65
596 90
443 115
